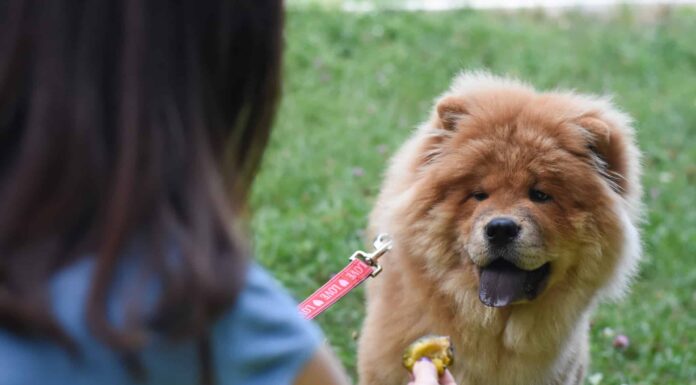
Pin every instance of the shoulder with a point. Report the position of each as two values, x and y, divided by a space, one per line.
260 340
21 359
263 339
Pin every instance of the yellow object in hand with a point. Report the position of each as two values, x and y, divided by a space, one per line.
438 349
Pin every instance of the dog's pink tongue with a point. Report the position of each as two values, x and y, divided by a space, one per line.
501 284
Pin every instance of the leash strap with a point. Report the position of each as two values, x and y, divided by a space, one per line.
351 276
362 265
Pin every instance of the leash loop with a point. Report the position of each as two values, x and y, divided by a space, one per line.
382 245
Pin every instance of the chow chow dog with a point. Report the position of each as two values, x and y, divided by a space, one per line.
513 213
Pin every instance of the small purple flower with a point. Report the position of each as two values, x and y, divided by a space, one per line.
621 342
358 172
655 193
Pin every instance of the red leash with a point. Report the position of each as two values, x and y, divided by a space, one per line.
362 265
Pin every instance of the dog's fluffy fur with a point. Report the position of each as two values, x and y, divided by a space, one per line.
488 142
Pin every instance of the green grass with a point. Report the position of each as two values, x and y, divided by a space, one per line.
357 84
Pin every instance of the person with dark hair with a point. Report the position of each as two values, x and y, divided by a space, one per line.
130 132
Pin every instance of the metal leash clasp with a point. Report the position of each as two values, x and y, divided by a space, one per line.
382 244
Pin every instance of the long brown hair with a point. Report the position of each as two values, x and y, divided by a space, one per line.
131 118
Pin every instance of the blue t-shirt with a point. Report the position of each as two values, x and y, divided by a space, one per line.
262 340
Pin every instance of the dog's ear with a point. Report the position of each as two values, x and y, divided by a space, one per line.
450 111
608 147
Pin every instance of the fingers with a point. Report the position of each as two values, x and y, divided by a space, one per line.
447 378
425 373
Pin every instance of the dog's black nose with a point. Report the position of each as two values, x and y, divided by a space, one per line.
501 231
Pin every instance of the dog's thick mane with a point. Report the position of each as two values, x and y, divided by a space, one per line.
557 334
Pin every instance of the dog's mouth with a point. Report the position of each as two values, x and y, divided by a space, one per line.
501 283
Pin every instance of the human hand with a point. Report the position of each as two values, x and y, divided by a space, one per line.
425 373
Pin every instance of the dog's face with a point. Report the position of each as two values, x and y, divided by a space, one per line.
523 188
522 213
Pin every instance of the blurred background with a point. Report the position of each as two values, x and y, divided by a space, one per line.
359 76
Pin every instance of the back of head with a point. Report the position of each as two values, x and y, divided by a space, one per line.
130 118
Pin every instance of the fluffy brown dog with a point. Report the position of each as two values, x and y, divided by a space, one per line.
513 213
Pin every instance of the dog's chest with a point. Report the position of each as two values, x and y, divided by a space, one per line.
484 357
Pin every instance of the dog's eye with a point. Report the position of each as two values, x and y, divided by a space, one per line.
480 196
538 196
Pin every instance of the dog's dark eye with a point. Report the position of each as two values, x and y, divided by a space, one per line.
538 196
480 196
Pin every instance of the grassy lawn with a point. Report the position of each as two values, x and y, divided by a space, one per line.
357 84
